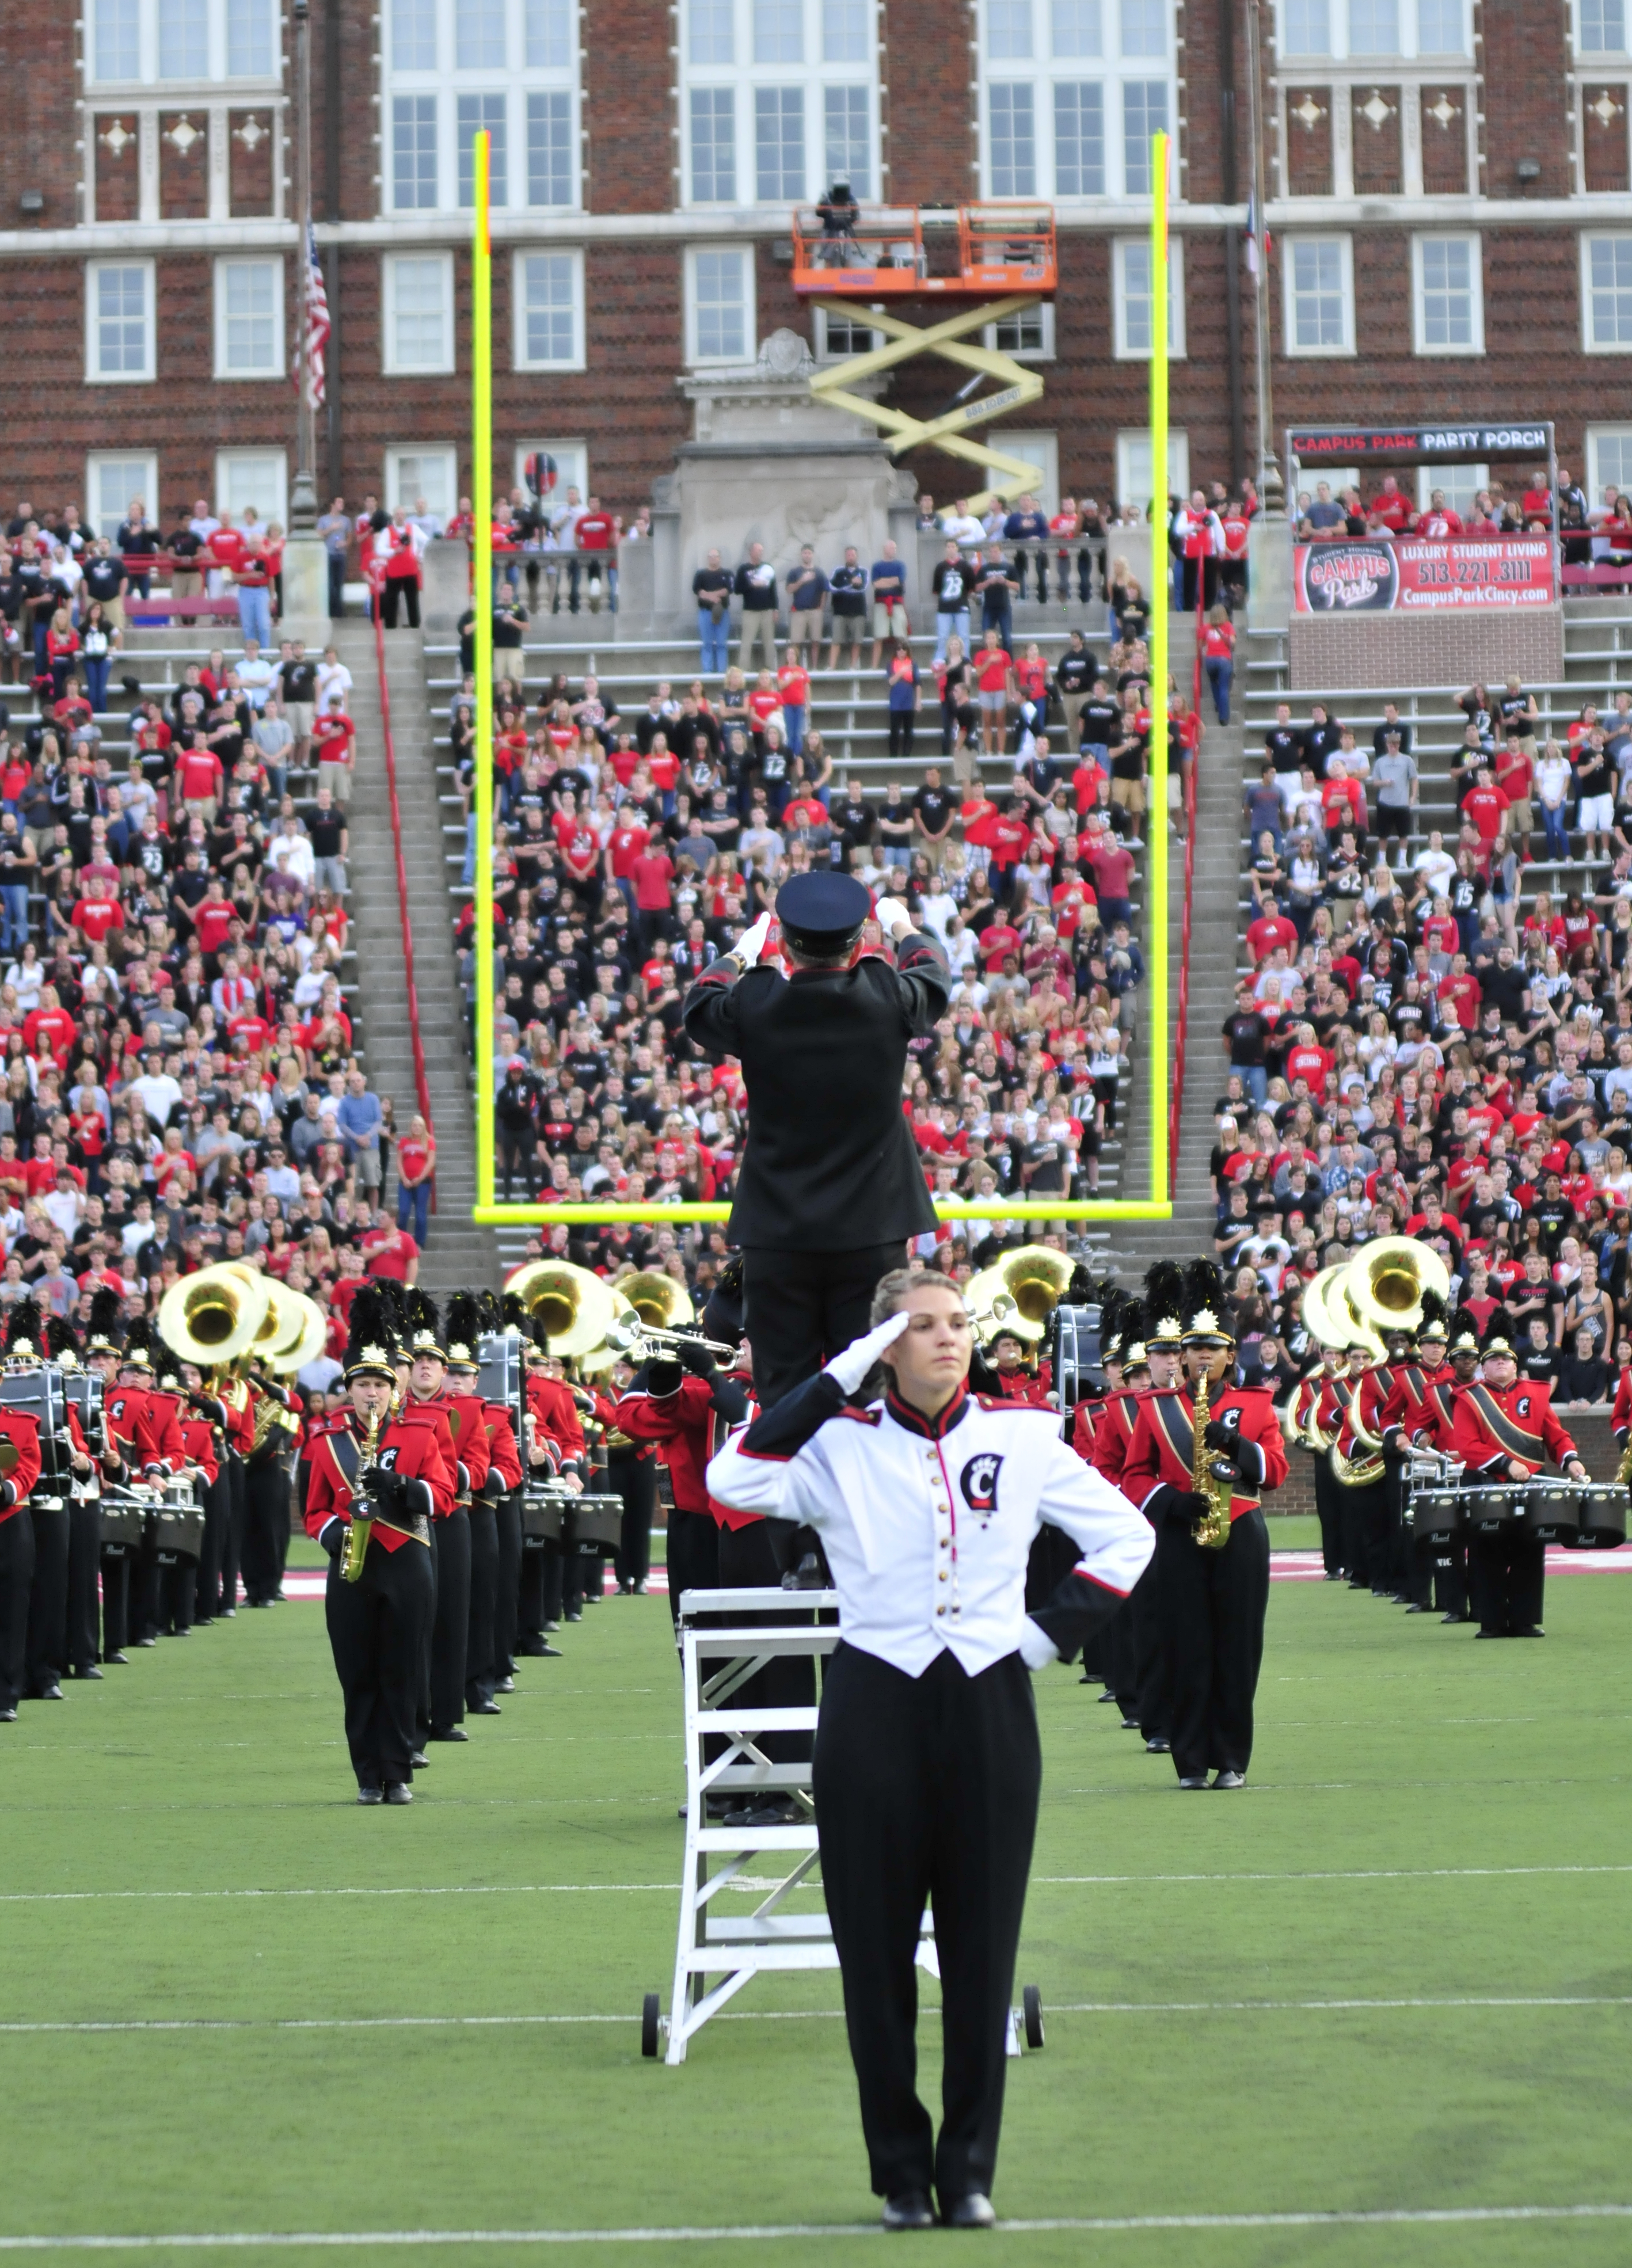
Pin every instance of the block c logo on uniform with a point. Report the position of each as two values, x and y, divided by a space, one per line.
978 1481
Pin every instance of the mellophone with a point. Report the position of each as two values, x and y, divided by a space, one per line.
1444 1506
588 1523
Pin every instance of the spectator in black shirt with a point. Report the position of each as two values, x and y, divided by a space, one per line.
510 621
847 590
1283 742
711 588
1247 1036
137 538
1392 722
755 584
1583 1375
1074 675
935 809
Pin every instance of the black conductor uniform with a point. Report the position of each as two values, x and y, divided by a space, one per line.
831 1185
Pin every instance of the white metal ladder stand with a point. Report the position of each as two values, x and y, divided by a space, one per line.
724 1639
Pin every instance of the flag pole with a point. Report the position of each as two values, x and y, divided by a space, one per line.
481 603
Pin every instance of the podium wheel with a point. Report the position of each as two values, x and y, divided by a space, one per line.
1032 2001
650 2008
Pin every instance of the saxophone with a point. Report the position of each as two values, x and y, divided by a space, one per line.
361 1524
1212 1475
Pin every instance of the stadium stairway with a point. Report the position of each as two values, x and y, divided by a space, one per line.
458 1253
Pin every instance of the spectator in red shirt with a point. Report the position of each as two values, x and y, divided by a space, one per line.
335 738
1343 803
1460 994
1484 807
652 875
1112 867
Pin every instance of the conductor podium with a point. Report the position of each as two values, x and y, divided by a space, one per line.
724 1638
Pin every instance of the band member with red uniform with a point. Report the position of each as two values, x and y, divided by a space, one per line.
1008 1375
1390 1575
1116 1652
461 1422
104 1337
501 1473
142 1424
632 1476
17 1554
171 1590
686 1406
554 1449
1506 1430
205 1407
1305 1408
1621 1417
271 1420
238 1405
1409 1417
1213 1600
1360 1505
379 1623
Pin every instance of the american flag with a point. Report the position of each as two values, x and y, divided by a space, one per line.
317 324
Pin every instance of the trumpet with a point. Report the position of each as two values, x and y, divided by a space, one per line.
637 1340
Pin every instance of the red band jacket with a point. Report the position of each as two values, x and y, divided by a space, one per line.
406 1445
1164 1443
1518 1424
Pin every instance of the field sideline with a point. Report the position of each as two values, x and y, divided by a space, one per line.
1387 1983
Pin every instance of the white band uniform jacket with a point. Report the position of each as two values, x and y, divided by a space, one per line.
928 1524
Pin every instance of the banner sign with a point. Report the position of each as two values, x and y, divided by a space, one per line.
1411 578
1322 444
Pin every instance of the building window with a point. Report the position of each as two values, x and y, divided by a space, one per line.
116 48
547 470
252 479
1013 140
1076 28
1603 28
713 145
547 34
526 52
1028 335
838 336
549 311
778 143
745 66
183 39
119 321
419 313
249 318
1320 295
719 296
1609 459
413 152
1133 312
1448 295
1358 30
249 50
417 474
414 35
115 482
1606 281
1144 113
1078 139
1440 28
1458 484
1374 27
1008 31
1144 27
1306 27
479 114
847 137
1134 463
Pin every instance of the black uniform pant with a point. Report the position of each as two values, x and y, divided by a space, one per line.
378 1629
761 1554
481 1662
218 1513
804 1308
449 1634
1118 1665
1366 1519
84 1549
117 1561
141 1589
1149 1648
507 1597
266 1529
1214 1604
232 1540
1329 1512
171 1588
926 1789
1506 1573
47 1663
634 1479
694 1555
17 1575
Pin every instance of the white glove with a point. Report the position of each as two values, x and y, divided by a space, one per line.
749 947
848 1369
1037 1648
893 919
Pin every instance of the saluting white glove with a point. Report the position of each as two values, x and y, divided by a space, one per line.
848 1370
893 919
749 947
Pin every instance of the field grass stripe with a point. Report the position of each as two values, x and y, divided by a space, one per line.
1098 2225
405 1890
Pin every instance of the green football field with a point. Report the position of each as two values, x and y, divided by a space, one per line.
1391 1980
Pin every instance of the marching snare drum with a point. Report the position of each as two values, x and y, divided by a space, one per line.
124 1523
1603 1505
1553 1511
596 1522
1491 1511
543 1516
176 1523
1437 1515
1076 1365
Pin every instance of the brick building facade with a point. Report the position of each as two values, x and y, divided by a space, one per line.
1449 188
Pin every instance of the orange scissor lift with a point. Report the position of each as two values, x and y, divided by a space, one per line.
1006 264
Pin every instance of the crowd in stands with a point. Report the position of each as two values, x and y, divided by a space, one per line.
1427 1043
182 1081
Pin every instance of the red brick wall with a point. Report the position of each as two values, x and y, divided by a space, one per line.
1446 649
1525 59
628 105
118 185
930 147
184 174
249 165
39 70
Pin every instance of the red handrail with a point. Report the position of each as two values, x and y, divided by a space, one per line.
421 1085
1175 1108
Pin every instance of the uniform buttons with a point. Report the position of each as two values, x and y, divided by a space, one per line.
945 1542
943 1575
940 1610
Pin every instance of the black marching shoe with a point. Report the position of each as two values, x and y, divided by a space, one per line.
1194 1781
505 1685
371 1795
399 1792
484 1709
52 1692
449 1733
1532 1630
8 1716
972 2212
911 2210
1230 1780
117 1660
87 1669
419 1761
1157 1745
